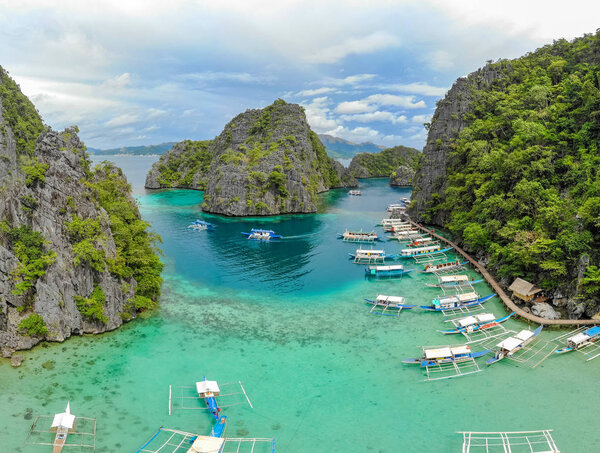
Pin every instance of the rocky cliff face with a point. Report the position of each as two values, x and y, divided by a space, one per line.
56 240
402 177
265 162
449 119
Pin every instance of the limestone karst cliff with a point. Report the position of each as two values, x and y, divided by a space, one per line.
265 162
75 256
510 169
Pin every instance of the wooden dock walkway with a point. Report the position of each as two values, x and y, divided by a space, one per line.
500 292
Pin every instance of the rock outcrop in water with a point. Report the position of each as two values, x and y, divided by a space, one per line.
75 256
385 164
265 162
504 169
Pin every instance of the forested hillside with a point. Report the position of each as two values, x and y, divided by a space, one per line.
520 142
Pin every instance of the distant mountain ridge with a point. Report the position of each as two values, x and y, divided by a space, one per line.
339 148
142 150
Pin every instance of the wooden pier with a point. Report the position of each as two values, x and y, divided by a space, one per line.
500 292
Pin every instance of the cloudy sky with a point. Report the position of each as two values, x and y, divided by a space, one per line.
132 72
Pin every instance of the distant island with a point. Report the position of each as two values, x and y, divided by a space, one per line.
338 148
142 150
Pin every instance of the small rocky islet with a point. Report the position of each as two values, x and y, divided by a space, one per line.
269 162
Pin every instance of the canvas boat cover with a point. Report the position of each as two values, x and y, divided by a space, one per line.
467 297
394 267
485 317
394 222
390 299
369 252
468 321
463 349
524 335
66 419
430 248
207 386
454 278
510 343
438 353
579 338
592 331
207 444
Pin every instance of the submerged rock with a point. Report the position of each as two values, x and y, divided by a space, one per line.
16 360
265 162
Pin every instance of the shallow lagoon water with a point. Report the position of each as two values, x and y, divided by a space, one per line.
287 319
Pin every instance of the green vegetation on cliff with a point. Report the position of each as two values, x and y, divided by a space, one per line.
265 162
20 115
383 164
180 168
524 175
137 255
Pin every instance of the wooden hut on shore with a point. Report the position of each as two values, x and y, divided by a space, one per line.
524 290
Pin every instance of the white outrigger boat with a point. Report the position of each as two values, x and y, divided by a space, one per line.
396 207
509 346
443 267
393 270
456 281
354 192
581 340
427 250
477 322
358 236
363 256
383 303
63 424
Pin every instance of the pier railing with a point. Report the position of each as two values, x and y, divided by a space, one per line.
500 292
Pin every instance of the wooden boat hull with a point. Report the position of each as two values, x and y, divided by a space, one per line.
60 440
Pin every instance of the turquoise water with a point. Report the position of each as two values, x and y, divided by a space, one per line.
287 319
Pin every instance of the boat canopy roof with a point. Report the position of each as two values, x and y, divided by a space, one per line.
256 230
593 331
579 338
207 386
524 335
510 343
485 317
393 267
207 444
467 296
453 278
394 299
438 353
66 419
429 248
468 321
462 349
370 252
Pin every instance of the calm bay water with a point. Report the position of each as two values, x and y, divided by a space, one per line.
287 319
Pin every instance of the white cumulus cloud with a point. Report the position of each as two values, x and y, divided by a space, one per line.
367 44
